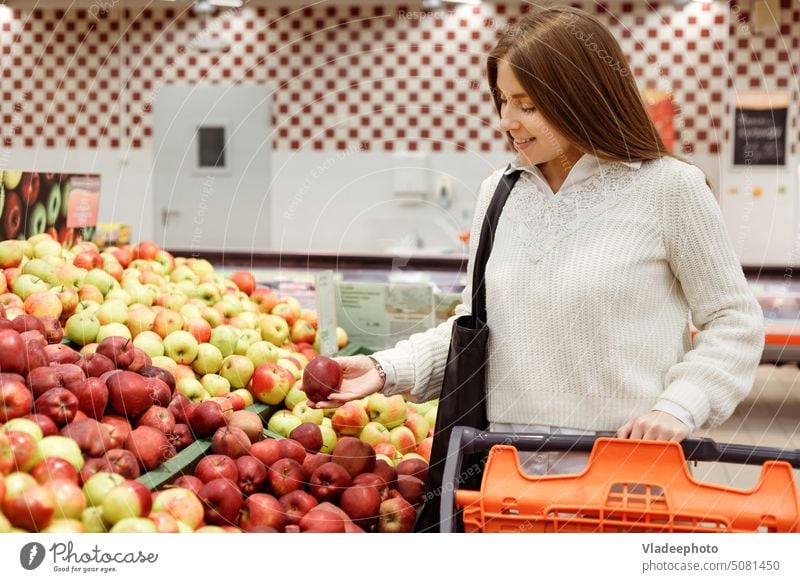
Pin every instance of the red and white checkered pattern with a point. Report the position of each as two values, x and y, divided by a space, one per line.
346 75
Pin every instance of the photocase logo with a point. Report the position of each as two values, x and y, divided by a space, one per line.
31 555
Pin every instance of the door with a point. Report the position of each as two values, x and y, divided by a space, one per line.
211 169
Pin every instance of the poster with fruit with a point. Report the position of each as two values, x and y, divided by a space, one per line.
63 205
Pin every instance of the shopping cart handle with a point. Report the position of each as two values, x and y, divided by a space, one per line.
464 440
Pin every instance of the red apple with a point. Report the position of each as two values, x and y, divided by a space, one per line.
362 503
121 462
321 377
262 510
160 373
206 418
252 474
128 499
180 436
383 469
328 481
230 441
52 468
267 451
181 408
309 436
159 418
118 429
150 446
92 436
119 350
291 449
396 516
129 393
61 354
411 489
92 395
296 504
30 508
189 482
222 501
59 404
414 467
285 476
354 455
312 461
321 521
15 398
213 467
250 423
45 423
374 480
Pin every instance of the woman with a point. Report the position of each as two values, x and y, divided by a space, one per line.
606 246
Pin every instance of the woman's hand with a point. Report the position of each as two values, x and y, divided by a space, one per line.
654 426
360 379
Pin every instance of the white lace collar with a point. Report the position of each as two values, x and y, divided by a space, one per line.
542 219
585 168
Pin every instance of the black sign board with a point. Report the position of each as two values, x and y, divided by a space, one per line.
760 137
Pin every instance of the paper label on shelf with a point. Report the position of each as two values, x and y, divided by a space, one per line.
377 315
84 199
326 312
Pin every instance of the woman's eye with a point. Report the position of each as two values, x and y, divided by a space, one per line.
528 109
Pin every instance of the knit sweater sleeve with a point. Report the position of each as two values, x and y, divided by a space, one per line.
718 372
419 361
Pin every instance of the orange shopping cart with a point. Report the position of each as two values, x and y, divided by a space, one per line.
627 486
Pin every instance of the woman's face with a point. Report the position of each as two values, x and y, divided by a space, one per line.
536 141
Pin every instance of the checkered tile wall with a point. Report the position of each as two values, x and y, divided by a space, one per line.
348 75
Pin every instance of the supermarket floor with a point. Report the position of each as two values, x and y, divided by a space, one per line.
770 417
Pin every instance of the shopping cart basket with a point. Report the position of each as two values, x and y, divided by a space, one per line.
627 486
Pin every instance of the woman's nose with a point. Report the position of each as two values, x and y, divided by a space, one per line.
507 123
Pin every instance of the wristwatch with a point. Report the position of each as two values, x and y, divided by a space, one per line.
379 368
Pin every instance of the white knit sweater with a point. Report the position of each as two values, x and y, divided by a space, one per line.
589 297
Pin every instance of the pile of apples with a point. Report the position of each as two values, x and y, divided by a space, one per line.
287 485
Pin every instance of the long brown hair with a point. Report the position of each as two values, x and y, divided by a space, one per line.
575 73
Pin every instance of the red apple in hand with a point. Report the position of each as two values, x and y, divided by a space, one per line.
321 378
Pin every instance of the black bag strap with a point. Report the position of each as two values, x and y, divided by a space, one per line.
490 220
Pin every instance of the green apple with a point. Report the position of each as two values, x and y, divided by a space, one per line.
131 525
41 269
89 307
327 420
26 285
374 433
92 519
274 329
237 370
208 293
47 248
150 343
140 294
101 280
215 384
423 407
329 438
11 254
295 396
225 337
307 414
112 311
201 267
192 389
229 306
140 320
184 273
430 416
121 295
112 329
262 352
208 360
291 365
62 447
283 423
246 339
389 411
98 485
23 425
190 311
181 346
82 328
